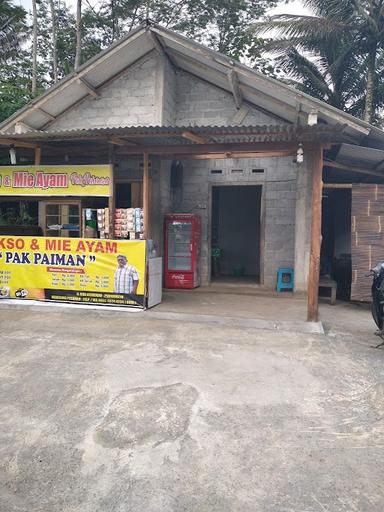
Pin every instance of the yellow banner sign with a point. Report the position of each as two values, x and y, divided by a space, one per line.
56 180
73 270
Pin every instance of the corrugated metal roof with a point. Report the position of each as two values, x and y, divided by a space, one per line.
184 135
358 156
257 89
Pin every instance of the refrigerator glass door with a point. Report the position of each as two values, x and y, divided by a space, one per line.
179 246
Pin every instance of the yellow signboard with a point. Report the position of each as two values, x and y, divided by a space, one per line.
73 270
56 180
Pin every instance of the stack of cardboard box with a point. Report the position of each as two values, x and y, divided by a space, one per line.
129 223
103 222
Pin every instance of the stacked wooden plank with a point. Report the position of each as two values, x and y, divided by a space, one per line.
367 236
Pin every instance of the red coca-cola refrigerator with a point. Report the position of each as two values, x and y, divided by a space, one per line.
182 248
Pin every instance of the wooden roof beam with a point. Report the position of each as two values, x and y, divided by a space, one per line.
194 137
91 90
117 141
337 185
236 154
235 88
247 147
17 143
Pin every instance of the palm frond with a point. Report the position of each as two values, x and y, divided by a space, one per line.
291 26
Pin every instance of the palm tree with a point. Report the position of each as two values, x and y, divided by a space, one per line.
354 28
324 69
78 35
54 40
34 49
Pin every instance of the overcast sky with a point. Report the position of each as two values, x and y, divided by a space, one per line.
294 7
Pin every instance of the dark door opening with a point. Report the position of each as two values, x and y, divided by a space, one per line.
335 260
235 236
128 195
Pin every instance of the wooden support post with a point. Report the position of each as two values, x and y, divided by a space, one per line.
111 198
314 259
146 206
38 156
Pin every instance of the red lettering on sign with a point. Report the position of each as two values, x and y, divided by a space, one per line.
58 244
111 247
96 246
80 247
66 270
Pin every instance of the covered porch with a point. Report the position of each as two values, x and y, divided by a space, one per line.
155 148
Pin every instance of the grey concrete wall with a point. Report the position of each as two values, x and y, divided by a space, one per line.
151 93
279 202
160 197
127 101
169 97
200 103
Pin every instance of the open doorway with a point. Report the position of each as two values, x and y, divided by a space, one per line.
335 261
128 194
235 236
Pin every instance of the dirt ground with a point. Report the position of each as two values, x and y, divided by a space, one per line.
104 411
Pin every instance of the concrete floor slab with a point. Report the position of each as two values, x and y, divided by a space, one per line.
242 303
103 411
256 308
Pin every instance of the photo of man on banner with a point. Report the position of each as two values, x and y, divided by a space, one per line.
126 278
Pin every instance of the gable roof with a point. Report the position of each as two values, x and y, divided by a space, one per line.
255 88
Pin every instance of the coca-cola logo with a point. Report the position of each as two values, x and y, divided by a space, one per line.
178 277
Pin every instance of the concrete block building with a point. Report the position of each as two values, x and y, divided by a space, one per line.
247 153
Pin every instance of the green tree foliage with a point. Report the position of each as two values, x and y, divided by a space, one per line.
15 69
15 84
13 29
66 41
223 25
336 54
220 24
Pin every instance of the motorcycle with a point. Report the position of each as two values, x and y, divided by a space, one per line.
377 292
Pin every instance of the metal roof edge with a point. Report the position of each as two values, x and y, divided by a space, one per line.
260 129
338 116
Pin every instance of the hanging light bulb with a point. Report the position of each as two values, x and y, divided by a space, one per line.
300 154
12 155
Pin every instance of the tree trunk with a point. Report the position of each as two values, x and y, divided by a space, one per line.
78 35
34 49
54 40
371 71
113 20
